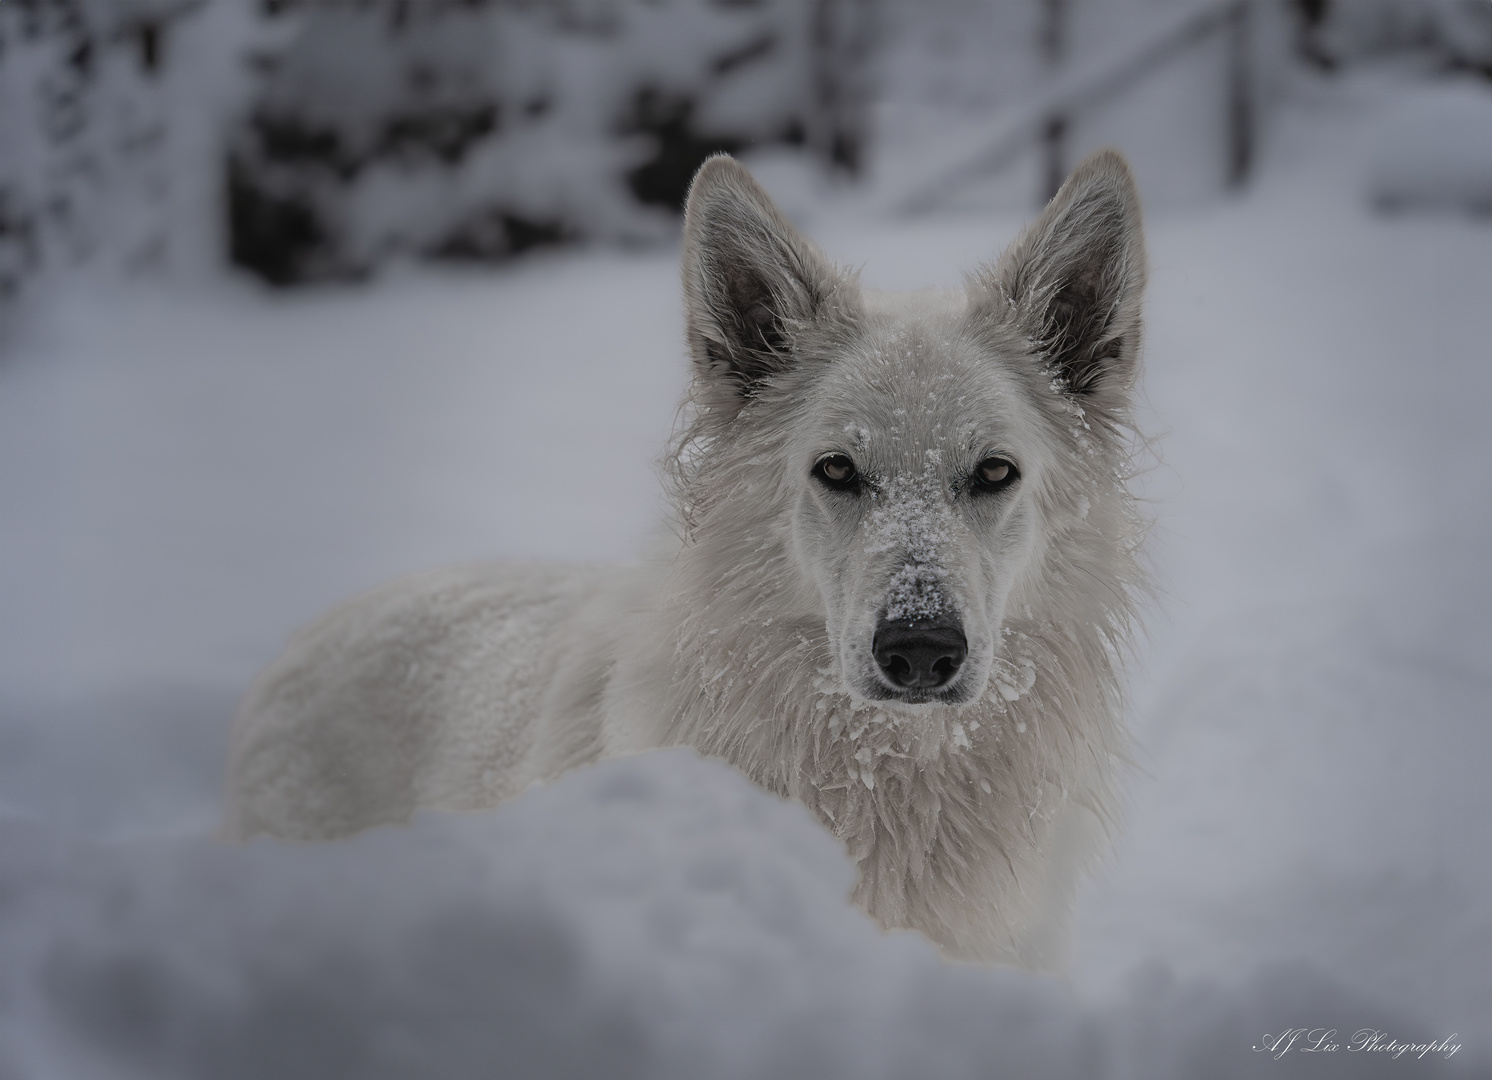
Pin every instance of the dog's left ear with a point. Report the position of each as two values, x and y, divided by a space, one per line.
1073 281
751 281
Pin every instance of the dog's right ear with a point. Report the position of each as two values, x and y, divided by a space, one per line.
1073 282
751 282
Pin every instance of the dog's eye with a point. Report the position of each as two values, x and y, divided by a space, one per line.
837 472
995 473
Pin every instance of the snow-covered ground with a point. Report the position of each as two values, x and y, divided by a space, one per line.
188 473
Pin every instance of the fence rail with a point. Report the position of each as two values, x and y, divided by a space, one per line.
1047 120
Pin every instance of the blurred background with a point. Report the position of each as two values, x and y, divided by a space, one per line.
304 141
297 296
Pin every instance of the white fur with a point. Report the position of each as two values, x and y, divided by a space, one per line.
750 638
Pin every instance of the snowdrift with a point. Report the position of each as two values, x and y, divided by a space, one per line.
653 917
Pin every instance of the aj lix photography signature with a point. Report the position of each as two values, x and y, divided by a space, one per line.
1364 1041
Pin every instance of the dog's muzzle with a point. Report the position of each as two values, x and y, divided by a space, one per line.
920 654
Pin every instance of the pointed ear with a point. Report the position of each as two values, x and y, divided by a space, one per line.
1073 281
751 281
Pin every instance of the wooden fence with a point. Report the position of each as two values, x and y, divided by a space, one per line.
1046 121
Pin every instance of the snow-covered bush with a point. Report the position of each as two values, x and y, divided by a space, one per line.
479 129
133 129
80 123
49 61
99 100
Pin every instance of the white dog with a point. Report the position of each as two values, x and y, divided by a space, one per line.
904 577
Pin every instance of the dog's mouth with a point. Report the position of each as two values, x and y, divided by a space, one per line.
953 695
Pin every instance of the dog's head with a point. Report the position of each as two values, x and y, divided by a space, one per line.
927 457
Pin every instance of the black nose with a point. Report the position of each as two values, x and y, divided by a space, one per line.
920 655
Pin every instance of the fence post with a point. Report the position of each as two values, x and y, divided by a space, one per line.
841 38
1054 131
1053 135
1240 96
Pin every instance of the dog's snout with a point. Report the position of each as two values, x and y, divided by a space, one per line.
920 655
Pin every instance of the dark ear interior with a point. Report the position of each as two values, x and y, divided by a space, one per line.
751 281
1075 278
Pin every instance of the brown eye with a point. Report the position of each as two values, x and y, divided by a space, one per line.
994 473
836 471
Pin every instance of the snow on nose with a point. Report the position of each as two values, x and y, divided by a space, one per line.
912 521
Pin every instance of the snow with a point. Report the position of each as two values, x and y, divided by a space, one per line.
909 515
1434 151
190 472
1322 671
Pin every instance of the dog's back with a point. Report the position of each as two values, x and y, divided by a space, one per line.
435 691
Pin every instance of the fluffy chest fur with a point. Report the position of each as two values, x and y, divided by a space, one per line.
950 812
